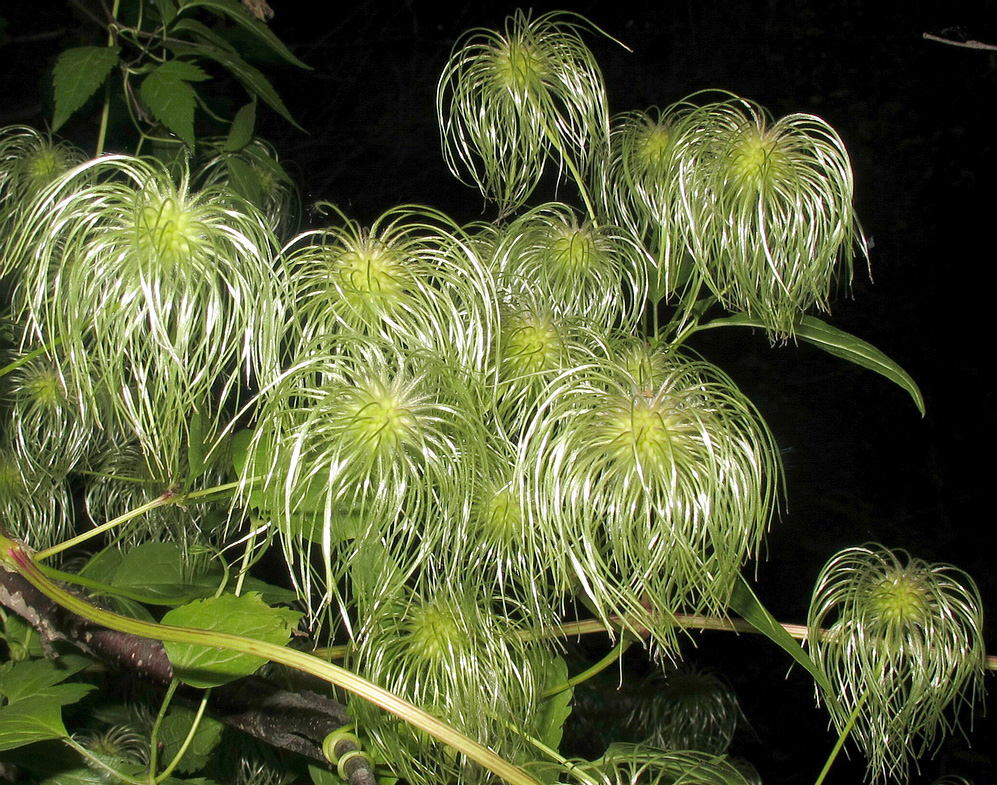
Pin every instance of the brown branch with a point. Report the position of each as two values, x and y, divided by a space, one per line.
294 721
965 44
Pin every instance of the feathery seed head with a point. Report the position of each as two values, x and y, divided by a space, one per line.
441 646
767 210
654 496
520 65
507 101
901 642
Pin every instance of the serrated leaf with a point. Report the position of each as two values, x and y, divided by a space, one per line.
39 717
103 566
248 615
77 74
173 732
241 132
323 775
839 344
167 10
202 34
171 101
253 80
244 179
247 21
29 678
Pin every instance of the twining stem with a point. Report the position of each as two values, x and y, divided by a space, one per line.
166 498
14 557
165 773
98 763
154 737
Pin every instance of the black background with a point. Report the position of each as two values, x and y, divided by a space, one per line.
862 465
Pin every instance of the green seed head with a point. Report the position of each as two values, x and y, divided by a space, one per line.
900 601
648 434
434 632
532 346
754 158
373 271
380 422
572 249
42 386
46 162
520 66
501 516
650 150
165 231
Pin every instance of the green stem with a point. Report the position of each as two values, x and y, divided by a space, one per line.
93 760
13 366
841 739
154 736
106 109
187 741
169 497
599 667
14 557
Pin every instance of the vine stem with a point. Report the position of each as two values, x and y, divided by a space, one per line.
14 557
106 109
841 739
587 674
690 622
169 497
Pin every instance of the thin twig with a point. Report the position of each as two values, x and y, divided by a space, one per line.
964 44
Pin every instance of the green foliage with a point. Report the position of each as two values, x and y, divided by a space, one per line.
178 44
32 694
247 615
454 436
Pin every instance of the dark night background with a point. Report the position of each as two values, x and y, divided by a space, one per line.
861 464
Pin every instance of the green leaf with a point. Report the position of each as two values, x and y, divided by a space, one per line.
167 10
241 132
244 179
202 667
252 79
247 21
173 732
170 99
76 76
554 711
26 679
323 776
745 603
840 344
38 717
154 572
103 566
202 34
197 449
